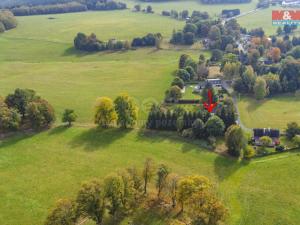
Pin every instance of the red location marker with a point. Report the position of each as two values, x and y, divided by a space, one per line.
209 105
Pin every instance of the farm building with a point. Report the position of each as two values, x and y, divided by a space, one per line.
216 83
274 134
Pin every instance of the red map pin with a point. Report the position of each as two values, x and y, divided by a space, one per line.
209 105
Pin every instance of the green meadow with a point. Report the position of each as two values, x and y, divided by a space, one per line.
275 112
36 170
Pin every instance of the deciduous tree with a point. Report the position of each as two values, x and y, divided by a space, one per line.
127 111
64 213
90 201
235 140
105 113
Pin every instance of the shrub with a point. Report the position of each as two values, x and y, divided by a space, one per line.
183 74
174 93
279 148
189 38
8 20
187 133
249 152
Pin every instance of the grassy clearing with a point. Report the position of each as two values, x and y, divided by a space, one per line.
275 112
122 25
77 84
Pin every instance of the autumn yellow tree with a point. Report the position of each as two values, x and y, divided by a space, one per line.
206 208
105 113
275 54
190 185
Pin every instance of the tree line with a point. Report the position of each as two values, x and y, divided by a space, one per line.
7 21
90 43
154 187
74 6
224 1
23 110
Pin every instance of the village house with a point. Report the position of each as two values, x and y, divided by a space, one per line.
274 134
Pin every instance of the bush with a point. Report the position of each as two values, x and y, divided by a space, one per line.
212 141
183 74
2 27
178 82
187 133
216 55
189 38
249 152
8 20
174 93
279 148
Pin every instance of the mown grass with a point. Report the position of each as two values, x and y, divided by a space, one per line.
275 112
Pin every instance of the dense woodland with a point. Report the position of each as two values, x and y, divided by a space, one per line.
74 6
7 21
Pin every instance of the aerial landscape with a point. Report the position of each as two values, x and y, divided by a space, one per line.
149 112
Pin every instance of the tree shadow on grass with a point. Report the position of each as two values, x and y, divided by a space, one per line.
153 136
15 138
226 166
98 138
74 52
148 217
58 130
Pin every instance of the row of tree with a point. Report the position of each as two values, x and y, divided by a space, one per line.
25 110
179 119
148 40
224 1
74 6
7 21
123 193
92 44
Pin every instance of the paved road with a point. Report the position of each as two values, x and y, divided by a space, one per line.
242 14
235 102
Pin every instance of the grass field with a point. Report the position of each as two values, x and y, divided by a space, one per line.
274 113
36 170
